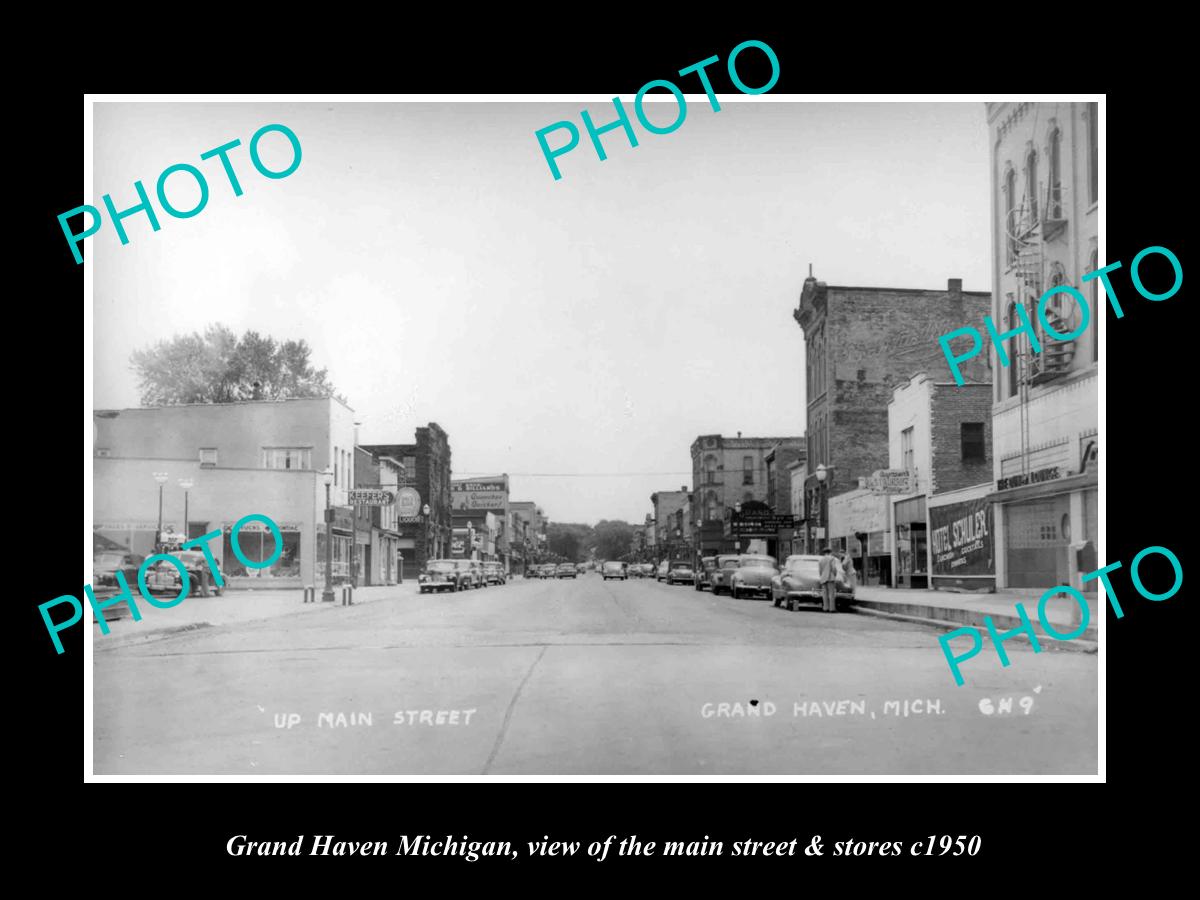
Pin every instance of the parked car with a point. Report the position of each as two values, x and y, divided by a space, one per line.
549 570
647 569
704 573
753 576
472 573
106 563
442 575
566 570
726 564
800 582
680 572
493 573
614 570
635 570
660 573
164 576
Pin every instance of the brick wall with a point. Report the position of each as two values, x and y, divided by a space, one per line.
951 406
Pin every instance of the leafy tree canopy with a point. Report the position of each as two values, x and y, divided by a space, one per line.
220 367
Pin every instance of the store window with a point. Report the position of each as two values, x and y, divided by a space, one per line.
287 458
972 442
258 544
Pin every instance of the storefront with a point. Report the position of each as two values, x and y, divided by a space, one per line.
912 544
858 516
342 529
962 540
1048 527
258 545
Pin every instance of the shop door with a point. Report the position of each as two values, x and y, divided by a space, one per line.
1037 549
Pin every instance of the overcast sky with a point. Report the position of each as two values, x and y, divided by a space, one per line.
595 324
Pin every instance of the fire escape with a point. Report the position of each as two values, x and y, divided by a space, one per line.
1028 234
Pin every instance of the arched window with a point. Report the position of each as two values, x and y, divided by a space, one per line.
1031 185
1054 200
1010 205
1095 298
1014 375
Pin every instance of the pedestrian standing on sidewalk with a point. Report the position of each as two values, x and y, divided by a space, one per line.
827 571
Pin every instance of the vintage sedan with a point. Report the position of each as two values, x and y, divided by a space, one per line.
752 577
441 575
493 573
800 582
566 570
704 573
107 563
680 573
723 568
164 576
613 569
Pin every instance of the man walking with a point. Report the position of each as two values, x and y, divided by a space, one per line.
827 570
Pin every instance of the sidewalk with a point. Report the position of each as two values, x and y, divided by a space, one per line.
950 610
232 607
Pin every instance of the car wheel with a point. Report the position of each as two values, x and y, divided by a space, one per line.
776 599
735 593
791 604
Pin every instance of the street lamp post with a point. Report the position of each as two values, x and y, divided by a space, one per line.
161 478
327 594
187 484
425 515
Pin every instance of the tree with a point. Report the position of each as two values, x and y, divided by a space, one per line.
613 538
220 367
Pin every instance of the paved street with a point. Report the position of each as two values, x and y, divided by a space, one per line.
580 677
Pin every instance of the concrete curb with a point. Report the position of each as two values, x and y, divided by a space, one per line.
1045 642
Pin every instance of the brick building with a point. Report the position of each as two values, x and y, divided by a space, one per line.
673 522
859 343
940 433
727 471
427 467
781 461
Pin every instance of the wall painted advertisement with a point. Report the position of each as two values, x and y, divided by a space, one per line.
479 493
960 539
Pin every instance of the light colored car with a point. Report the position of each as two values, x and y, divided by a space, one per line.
614 570
441 575
723 568
800 582
493 573
680 573
663 568
472 572
752 577
566 570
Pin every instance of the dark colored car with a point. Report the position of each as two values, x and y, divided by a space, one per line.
723 568
106 563
164 576
566 570
800 582
614 570
680 573
493 573
441 575
704 573
752 577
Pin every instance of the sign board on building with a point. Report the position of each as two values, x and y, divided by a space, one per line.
1089 452
370 497
457 546
408 504
890 481
1024 478
960 538
759 524
486 493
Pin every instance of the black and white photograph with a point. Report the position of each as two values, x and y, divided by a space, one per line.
674 435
